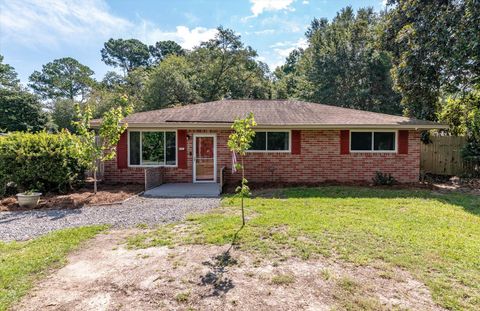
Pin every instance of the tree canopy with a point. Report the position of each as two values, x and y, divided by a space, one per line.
342 65
417 58
162 49
8 75
19 109
126 54
435 48
62 78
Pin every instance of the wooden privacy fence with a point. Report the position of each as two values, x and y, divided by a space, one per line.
443 156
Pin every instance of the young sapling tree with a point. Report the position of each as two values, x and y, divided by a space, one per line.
109 134
239 142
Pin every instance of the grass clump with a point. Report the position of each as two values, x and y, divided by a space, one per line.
182 297
283 279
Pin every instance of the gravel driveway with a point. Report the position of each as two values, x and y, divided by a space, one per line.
139 210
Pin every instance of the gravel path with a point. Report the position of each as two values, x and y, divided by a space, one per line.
139 210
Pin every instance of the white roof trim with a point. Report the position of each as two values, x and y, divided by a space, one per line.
192 125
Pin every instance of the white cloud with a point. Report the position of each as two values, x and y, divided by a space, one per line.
260 6
305 2
282 49
282 23
264 32
56 22
186 37
49 22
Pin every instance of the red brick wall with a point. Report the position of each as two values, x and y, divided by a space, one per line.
319 160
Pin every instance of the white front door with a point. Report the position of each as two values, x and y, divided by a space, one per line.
204 158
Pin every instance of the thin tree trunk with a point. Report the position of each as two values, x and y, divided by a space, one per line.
95 180
243 179
95 177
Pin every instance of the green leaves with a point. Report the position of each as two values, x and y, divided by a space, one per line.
126 54
111 128
171 82
47 162
8 76
109 132
162 49
62 78
20 111
343 65
239 141
435 51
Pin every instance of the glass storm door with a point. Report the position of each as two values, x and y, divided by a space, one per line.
204 158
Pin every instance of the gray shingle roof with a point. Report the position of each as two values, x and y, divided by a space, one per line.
273 113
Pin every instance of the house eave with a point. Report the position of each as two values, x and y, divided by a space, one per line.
203 125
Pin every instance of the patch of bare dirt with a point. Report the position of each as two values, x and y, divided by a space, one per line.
107 276
77 198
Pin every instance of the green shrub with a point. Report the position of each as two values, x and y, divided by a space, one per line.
43 161
383 179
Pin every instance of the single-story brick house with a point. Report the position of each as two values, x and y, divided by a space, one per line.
295 142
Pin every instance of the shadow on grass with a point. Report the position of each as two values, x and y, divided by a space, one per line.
218 266
469 202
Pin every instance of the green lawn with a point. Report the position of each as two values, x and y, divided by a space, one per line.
436 237
21 263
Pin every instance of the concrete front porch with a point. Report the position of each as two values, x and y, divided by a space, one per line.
185 190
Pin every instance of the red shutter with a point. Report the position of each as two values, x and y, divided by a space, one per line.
296 142
122 151
403 142
182 149
344 142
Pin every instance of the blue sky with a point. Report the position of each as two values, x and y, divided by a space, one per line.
34 32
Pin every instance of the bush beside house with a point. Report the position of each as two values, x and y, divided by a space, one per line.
40 161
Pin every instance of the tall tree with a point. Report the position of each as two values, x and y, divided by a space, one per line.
110 92
8 76
436 49
170 83
219 61
63 78
63 113
162 49
126 54
19 110
344 65
112 80
287 76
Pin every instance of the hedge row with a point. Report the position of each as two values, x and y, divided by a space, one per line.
41 161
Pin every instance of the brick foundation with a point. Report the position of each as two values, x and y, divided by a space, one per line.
319 161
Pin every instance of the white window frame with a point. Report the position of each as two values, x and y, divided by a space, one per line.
372 150
164 138
266 142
